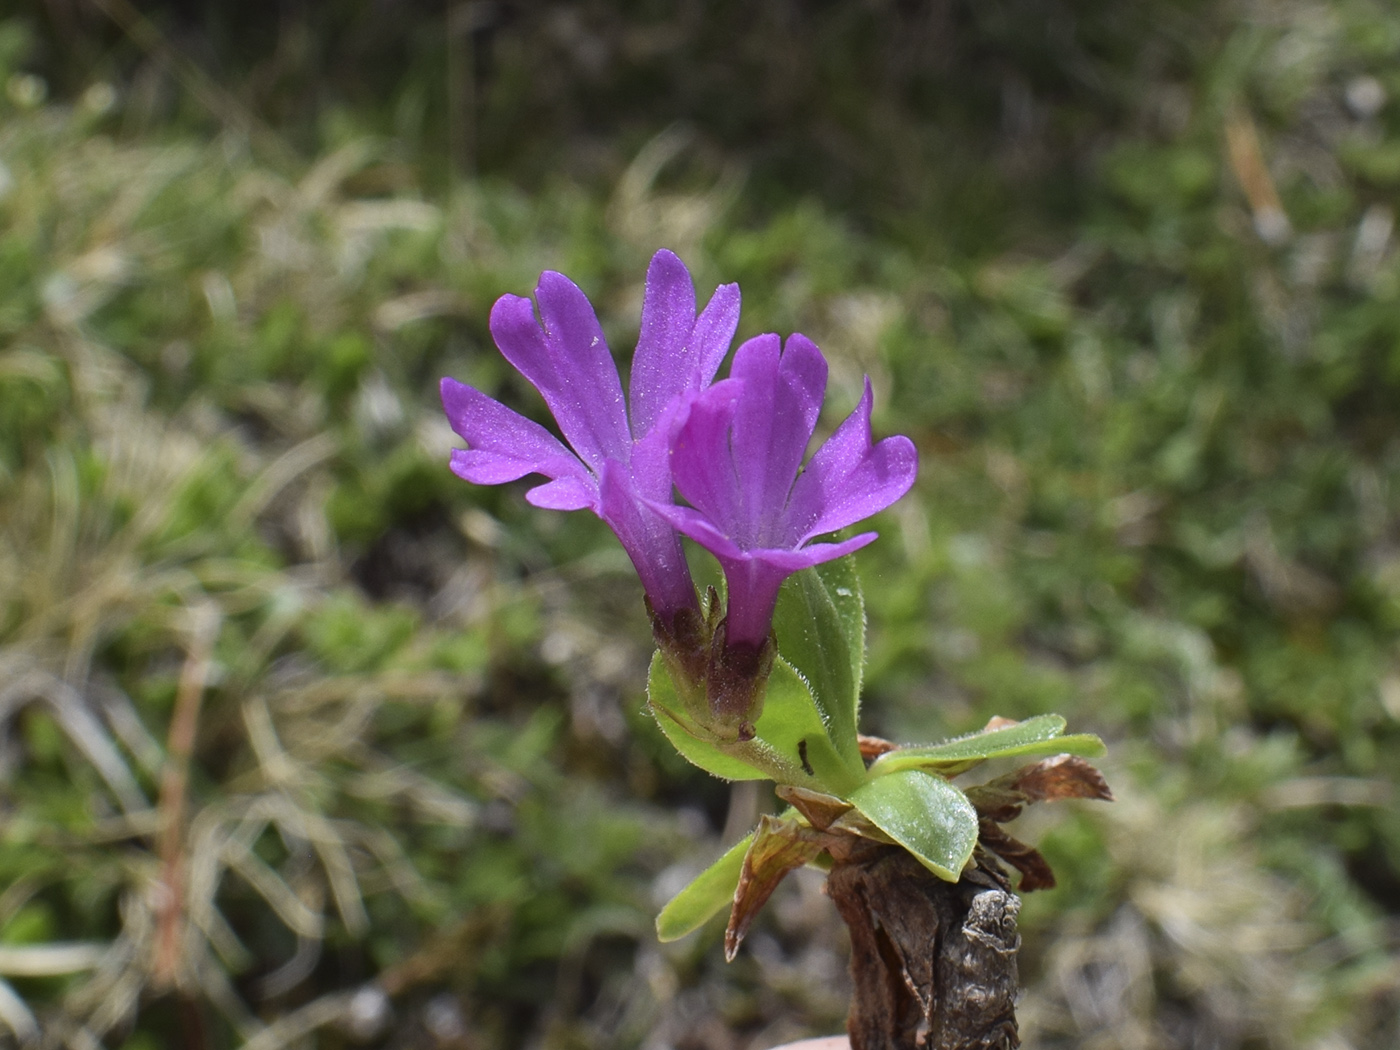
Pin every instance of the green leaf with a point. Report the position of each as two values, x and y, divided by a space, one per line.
666 706
793 727
925 814
1034 736
791 745
706 894
820 623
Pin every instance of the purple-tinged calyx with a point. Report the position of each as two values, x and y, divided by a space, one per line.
617 461
737 460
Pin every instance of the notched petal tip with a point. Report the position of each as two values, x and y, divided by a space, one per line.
799 344
512 312
759 354
566 311
519 337
552 283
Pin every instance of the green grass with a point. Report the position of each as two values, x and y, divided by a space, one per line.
1157 496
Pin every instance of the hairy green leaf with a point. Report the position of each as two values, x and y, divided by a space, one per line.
1034 736
925 814
820 623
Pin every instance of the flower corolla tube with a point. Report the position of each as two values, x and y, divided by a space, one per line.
617 462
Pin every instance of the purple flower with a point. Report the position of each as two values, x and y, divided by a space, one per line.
737 460
617 468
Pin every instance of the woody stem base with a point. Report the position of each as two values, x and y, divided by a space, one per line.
933 962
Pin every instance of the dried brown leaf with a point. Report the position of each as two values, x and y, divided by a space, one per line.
872 747
1064 776
1052 779
1035 870
1000 804
820 809
778 847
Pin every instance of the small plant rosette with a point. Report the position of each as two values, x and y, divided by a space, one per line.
764 682
842 787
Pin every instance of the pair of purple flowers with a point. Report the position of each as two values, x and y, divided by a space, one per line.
733 449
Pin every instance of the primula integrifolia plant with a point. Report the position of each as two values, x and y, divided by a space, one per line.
766 684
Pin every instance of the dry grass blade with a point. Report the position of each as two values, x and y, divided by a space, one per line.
302 920
217 100
280 473
384 779
125 722
226 944
302 821
49 960
16 1016
294 971
1246 157
70 711
300 1023
110 999
212 980
1201 917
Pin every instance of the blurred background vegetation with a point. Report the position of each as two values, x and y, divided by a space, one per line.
304 742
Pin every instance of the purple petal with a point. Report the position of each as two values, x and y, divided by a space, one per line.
850 479
649 541
504 445
590 409
521 341
676 351
714 331
659 367
651 462
753 595
566 357
699 528
818 553
753 578
773 424
565 494
701 460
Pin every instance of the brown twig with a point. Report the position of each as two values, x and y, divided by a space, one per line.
933 962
